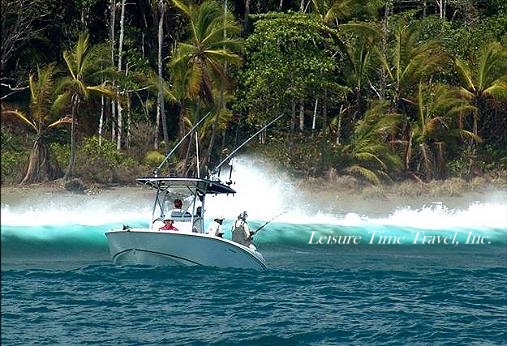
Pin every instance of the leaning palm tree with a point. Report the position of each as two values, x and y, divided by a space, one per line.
368 154
42 166
199 65
84 68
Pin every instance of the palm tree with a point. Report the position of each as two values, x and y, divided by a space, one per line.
368 153
487 82
160 7
83 66
357 41
43 105
410 61
333 12
199 65
360 57
436 128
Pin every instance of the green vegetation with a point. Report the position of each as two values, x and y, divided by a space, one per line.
379 90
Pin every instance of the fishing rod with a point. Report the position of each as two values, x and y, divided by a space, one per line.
245 142
258 229
156 170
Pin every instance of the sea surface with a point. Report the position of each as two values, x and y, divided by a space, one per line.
385 281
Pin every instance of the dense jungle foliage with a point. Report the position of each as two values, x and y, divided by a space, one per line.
382 90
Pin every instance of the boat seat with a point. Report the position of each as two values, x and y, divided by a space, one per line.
179 214
184 224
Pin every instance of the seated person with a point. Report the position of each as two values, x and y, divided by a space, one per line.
177 211
168 225
215 229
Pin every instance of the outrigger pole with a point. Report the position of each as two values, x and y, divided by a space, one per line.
156 170
244 143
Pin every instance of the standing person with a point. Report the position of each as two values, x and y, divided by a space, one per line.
241 232
215 228
168 225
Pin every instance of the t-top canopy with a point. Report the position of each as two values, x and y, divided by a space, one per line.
204 186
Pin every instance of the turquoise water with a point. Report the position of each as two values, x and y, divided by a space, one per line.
328 282
59 286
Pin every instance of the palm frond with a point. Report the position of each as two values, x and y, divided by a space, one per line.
365 173
20 115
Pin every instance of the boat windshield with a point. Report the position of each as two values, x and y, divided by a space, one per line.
189 216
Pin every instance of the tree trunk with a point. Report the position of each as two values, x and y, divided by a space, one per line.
408 151
440 162
127 140
441 8
301 116
314 120
385 29
112 6
120 52
339 125
246 14
293 117
324 112
101 119
41 165
72 158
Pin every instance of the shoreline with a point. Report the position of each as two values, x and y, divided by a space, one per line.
315 195
388 199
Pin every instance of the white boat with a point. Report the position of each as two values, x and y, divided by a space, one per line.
189 245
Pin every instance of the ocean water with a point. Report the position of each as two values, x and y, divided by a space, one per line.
341 278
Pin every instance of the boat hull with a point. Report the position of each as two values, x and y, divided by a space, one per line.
151 247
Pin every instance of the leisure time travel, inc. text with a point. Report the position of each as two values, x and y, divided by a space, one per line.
415 237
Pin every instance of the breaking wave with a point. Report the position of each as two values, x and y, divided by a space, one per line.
78 224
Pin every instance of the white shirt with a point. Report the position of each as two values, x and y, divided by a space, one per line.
215 229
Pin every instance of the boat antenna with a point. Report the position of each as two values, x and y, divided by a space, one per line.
197 153
245 142
156 170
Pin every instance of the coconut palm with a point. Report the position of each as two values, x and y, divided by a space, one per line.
436 128
409 62
368 154
41 118
199 65
488 81
83 67
331 11
360 59
357 43
336 11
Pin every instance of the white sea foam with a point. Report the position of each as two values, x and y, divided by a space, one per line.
266 193
91 213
